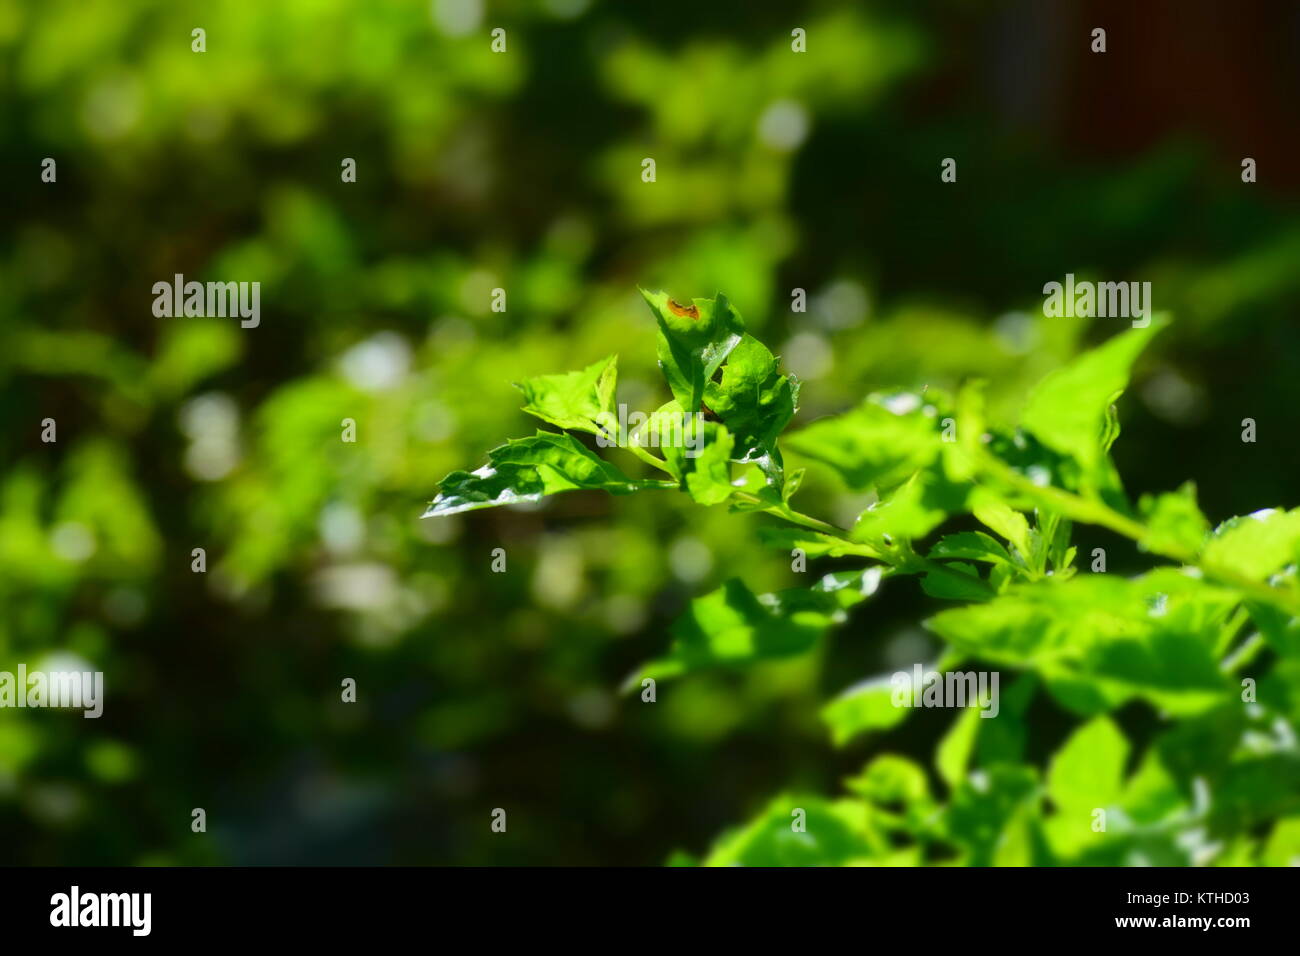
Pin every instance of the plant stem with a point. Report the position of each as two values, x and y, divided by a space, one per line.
648 458
1094 511
785 511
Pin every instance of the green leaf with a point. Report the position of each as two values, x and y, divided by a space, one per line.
575 400
972 546
1254 789
694 340
999 738
890 778
814 544
984 809
708 477
704 462
528 469
672 431
832 835
1085 696
960 457
1174 523
1153 635
755 401
957 581
1281 630
1052 536
1283 847
910 512
792 483
996 514
879 444
843 589
1067 411
1173 668
898 797
711 362
1017 844
862 708
1088 772
1046 620
955 750
1151 794
756 482
1256 545
732 626
1002 739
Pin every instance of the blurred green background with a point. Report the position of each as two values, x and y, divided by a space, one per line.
522 170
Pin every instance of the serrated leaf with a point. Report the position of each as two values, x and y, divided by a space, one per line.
1152 635
731 625
1067 411
706 474
814 544
910 512
1174 523
575 400
694 340
1256 545
879 444
972 546
996 514
755 402
528 469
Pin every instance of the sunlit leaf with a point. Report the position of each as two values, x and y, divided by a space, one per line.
528 469
879 444
576 400
694 340
1068 410
1174 522
1258 544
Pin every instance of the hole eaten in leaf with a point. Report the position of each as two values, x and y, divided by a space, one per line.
690 311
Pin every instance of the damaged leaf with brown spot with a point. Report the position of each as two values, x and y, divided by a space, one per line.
693 343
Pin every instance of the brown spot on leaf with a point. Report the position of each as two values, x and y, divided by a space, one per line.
690 311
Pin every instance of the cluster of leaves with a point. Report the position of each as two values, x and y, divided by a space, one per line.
1220 779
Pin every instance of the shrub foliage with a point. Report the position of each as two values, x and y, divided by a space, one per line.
1207 640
